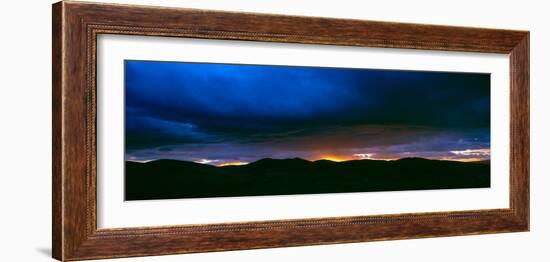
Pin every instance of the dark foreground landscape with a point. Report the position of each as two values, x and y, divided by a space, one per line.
170 179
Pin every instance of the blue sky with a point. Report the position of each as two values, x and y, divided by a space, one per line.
227 113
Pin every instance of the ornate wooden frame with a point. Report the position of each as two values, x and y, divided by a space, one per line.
76 26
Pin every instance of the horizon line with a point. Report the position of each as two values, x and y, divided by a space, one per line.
241 163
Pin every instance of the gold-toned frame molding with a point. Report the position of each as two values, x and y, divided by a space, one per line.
76 26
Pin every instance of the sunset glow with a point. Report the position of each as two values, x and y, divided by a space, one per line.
334 158
233 164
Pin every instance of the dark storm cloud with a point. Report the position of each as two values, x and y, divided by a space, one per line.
174 107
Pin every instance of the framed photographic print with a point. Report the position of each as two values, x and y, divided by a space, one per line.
182 130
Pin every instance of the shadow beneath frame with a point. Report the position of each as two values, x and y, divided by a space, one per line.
46 251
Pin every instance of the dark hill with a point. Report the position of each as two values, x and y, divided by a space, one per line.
168 179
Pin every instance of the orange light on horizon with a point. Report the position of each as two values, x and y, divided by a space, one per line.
335 158
233 164
342 158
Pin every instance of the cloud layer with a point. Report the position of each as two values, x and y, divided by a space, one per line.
230 113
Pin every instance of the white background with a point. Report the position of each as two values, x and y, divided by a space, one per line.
25 147
114 212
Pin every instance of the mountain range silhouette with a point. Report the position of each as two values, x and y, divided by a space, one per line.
172 179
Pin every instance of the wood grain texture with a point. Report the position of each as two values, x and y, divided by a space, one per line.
76 26
519 129
57 195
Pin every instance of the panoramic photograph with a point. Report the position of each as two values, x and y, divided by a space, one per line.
199 130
